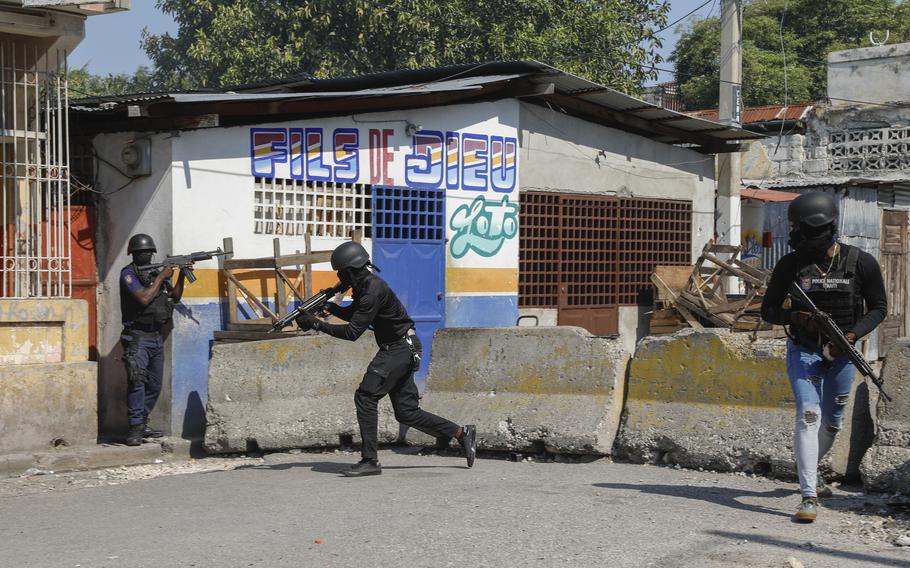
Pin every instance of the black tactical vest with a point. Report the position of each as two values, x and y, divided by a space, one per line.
836 292
157 313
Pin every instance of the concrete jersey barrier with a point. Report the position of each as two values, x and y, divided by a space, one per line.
526 387
714 399
886 466
288 393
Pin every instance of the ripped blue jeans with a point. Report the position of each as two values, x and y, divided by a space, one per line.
822 392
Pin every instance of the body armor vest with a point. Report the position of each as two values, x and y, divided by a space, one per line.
834 292
160 310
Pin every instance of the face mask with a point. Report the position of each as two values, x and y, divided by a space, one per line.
142 258
812 242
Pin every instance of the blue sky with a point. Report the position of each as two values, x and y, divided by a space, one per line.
111 43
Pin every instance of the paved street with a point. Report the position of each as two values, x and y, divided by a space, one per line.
295 510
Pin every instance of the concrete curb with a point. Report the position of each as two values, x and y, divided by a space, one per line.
81 458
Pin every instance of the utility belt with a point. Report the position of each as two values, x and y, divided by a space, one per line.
407 339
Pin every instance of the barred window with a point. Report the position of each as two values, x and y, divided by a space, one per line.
598 250
322 209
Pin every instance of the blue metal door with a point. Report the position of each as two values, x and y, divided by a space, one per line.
409 249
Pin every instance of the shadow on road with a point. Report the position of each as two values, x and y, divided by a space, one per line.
337 467
817 549
719 495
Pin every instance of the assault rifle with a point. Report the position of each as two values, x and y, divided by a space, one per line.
837 338
311 305
183 262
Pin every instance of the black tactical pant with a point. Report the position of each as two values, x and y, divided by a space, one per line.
391 372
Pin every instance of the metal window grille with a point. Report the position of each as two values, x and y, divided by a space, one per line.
401 213
538 250
588 250
322 209
34 175
652 232
602 250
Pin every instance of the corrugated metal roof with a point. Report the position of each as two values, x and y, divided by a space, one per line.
639 116
768 113
416 89
767 195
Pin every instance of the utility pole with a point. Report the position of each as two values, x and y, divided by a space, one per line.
728 216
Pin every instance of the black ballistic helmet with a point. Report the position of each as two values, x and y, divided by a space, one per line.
815 209
349 255
139 243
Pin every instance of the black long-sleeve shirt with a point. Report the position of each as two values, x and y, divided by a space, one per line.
869 282
376 305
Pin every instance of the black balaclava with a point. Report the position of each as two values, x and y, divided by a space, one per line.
142 257
813 242
354 277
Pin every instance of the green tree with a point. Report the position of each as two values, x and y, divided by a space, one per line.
83 83
221 43
812 29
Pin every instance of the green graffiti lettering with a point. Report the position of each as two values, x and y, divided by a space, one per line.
483 226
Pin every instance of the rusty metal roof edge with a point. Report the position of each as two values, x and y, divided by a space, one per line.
708 127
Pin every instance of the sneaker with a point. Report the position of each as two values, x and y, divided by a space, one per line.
807 510
822 489
468 441
363 468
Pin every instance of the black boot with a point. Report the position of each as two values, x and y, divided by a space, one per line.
468 441
134 437
148 432
363 468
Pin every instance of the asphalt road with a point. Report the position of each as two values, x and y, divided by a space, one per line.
295 510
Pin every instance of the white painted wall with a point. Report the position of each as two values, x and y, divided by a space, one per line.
852 72
143 206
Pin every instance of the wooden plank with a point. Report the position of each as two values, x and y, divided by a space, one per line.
690 319
281 300
305 258
693 307
287 281
231 288
307 269
675 277
756 272
734 270
250 296
246 263
722 248
662 287
728 306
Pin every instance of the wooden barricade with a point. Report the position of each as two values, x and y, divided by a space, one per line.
288 288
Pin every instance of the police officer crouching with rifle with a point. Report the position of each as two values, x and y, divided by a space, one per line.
391 372
845 283
147 301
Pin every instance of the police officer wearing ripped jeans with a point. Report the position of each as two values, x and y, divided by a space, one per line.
391 372
147 302
846 283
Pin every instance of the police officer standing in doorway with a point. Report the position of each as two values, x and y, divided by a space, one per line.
846 283
391 372
147 302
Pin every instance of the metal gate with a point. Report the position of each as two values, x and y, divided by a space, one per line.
409 248
34 176
586 255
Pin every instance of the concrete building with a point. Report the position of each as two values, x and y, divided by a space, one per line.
484 192
48 388
855 145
